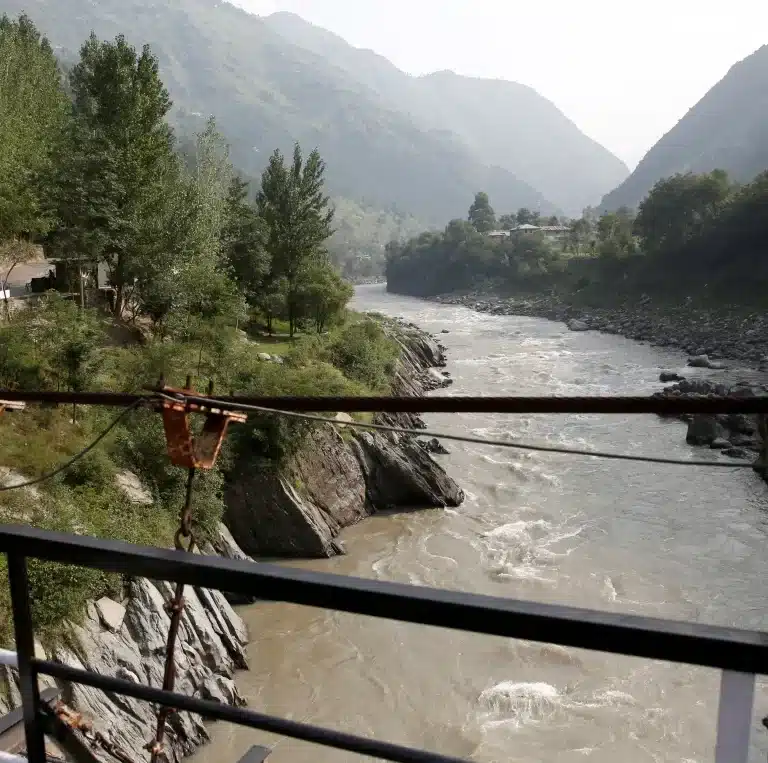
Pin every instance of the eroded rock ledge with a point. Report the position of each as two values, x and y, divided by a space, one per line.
341 476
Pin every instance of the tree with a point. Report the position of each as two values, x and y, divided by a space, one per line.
244 241
579 234
614 234
207 295
508 222
481 214
526 217
677 208
118 151
324 294
33 113
297 218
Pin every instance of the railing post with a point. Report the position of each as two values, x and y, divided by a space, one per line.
25 649
734 719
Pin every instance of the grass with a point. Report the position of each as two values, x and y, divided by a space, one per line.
275 345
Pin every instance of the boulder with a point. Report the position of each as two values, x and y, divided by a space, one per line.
577 325
741 423
737 453
704 430
434 446
111 613
265 356
703 361
720 443
133 488
403 476
670 376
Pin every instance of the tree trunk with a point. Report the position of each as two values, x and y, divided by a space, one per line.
118 311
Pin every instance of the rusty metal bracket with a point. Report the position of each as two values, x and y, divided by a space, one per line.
184 448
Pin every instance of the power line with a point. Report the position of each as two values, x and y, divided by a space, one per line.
464 438
88 448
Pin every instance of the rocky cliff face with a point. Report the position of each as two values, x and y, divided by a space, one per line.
340 476
126 639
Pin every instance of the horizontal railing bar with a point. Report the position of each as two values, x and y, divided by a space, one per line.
634 635
441 404
243 717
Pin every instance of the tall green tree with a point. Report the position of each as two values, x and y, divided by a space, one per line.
207 292
526 217
298 220
324 294
33 113
244 241
677 208
481 213
118 152
615 234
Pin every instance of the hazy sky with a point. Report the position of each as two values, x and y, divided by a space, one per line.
625 72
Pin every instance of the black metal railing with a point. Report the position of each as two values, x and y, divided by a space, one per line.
739 653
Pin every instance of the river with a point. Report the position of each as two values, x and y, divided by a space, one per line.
670 541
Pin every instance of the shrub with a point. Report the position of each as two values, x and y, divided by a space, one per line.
364 353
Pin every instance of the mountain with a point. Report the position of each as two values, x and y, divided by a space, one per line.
267 93
727 129
503 123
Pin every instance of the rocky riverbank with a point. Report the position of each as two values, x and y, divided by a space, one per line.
725 333
728 350
125 638
338 477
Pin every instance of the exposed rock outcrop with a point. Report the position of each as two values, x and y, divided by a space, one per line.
126 639
341 476
402 475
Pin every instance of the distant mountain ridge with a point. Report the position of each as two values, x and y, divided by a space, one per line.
503 123
423 146
727 129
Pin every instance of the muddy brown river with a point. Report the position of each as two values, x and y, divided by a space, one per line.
670 541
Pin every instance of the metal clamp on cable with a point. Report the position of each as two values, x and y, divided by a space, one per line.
184 449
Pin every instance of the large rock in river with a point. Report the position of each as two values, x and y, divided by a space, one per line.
403 475
704 430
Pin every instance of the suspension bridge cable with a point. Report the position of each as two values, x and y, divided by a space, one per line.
461 438
228 404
